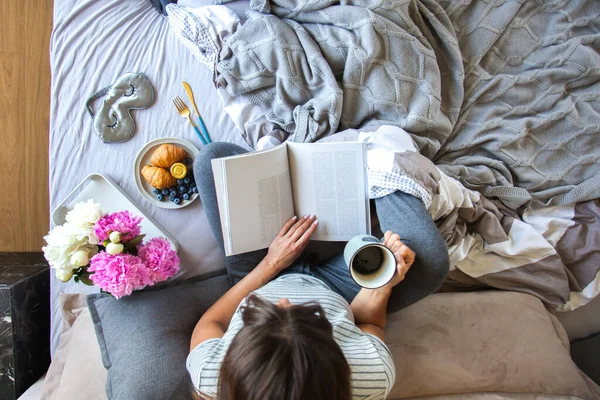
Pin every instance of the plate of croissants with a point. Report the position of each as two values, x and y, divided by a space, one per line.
164 172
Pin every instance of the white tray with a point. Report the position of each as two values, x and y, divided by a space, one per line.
103 190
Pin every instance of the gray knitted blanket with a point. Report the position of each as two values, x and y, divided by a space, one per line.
501 95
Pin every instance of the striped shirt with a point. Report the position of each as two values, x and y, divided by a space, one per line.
370 361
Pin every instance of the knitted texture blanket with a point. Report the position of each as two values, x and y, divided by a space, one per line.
502 95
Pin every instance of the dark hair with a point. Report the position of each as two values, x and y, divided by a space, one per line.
284 354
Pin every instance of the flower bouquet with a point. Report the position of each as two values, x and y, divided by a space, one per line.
108 251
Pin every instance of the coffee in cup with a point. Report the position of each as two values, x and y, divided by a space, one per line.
370 263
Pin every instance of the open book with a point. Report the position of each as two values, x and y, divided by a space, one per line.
258 192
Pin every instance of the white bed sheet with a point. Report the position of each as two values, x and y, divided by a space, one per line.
93 42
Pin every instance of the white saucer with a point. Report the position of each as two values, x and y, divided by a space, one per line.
143 158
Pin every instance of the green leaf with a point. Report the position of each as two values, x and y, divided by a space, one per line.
79 271
137 240
106 242
85 279
76 278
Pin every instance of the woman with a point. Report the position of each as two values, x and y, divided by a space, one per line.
289 329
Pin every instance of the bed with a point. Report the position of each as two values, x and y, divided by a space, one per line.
93 43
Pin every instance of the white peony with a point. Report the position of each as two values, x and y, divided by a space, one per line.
83 232
81 220
114 248
62 244
84 212
72 244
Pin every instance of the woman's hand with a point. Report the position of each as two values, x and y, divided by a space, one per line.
286 247
369 306
405 257
291 241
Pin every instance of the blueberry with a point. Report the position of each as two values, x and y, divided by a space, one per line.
172 196
188 161
159 197
193 184
195 189
180 182
186 196
156 191
186 180
165 192
182 189
177 200
190 190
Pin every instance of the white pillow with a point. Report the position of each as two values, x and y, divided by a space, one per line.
237 6
76 371
203 29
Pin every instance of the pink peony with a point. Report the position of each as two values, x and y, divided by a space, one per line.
120 274
123 222
161 261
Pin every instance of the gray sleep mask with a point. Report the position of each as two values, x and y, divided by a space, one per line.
113 121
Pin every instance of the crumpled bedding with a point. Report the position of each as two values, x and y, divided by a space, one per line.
552 253
502 95
500 99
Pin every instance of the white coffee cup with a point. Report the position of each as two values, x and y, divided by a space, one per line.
370 263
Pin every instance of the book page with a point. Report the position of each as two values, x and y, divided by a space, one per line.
258 199
217 167
330 181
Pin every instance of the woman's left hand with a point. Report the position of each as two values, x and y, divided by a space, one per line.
291 241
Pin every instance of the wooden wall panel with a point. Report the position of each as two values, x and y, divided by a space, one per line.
24 112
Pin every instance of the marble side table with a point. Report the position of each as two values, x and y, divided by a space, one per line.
24 322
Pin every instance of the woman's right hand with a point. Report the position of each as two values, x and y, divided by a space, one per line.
286 247
405 257
291 241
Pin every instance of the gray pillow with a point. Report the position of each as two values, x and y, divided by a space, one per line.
144 338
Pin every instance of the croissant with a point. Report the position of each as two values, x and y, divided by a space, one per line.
157 177
167 155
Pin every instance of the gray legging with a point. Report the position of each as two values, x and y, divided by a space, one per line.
397 212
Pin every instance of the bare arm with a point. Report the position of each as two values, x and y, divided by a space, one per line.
370 305
369 308
285 249
215 321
